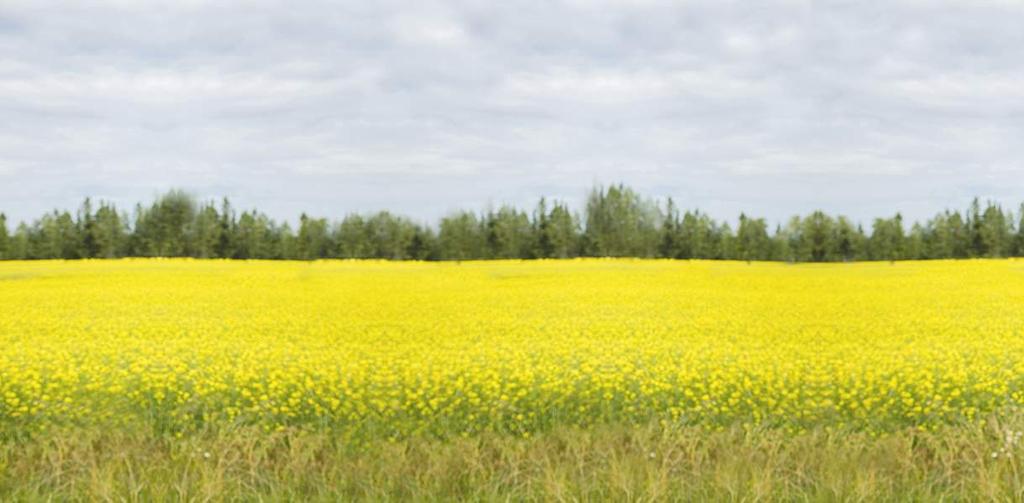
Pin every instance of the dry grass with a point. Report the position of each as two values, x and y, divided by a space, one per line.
601 463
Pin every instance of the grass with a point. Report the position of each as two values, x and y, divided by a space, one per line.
622 463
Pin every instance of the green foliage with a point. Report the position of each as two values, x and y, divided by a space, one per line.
696 235
996 233
556 231
887 239
53 236
818 243
462 237
4 238
206 232
381 235
1018 249
848 241
20 245
700 236
616 222
164 229
619 223
313 241
508 234
752 241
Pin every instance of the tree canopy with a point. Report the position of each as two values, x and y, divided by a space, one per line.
616 222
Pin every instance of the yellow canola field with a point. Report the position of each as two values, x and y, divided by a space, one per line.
378 349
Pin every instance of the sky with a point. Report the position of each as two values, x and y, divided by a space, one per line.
772 108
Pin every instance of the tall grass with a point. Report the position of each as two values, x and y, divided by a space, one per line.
623 463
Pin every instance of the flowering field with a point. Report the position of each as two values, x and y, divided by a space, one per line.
390 350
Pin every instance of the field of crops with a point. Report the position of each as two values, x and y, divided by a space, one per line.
371 350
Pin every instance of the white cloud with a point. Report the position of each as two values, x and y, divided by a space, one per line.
330 107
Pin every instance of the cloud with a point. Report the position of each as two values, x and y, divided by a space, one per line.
771 108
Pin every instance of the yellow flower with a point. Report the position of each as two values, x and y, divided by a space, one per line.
393 349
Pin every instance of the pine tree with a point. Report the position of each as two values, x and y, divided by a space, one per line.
669 244
4 238
1020 233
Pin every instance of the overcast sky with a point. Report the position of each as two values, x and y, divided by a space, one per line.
772 108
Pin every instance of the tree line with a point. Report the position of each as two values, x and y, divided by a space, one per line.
615 222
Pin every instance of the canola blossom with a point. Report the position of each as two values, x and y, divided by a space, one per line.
389 349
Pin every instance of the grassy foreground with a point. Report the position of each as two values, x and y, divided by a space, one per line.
622 463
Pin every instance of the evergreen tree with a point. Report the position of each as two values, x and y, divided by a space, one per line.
423 244
54 236
780 248
995 232
974 225
87 230
670 244
252 235
752 241
508 234
619 223
312 242
562 232
389 236
166 226
206 232
1020 233
137 245
18 247
958 236
938 242
847 241
696 236
225 246
352 238
461 237
4 238
541 230
109 232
